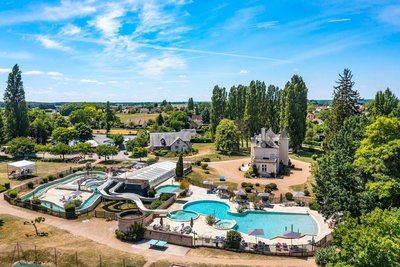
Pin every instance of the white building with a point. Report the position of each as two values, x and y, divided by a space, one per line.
172 141
268 151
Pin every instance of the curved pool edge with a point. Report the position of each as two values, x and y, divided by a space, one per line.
174 220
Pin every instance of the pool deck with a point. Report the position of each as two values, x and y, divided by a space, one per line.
203 229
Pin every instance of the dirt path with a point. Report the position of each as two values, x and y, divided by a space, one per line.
230 169
102 232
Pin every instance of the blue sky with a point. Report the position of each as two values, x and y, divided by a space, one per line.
143 50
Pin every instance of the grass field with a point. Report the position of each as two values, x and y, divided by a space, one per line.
199 175
136 116
115 131
43 169
66 244
207 150
306 153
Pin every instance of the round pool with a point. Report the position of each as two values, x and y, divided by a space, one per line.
182 215
224 224
167 188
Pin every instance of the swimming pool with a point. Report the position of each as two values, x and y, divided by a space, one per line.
182 215
273 223
167 188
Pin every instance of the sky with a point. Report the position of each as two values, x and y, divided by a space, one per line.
144 50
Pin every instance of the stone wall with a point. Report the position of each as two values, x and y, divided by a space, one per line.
172 238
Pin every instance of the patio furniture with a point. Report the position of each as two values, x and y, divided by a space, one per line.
156 243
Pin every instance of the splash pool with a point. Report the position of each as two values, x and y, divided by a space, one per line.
182 215
273 223
167 188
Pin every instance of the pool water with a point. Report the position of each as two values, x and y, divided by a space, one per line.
273 223
225 224
182 215
167 188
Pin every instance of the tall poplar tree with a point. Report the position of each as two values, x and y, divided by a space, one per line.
251 111
218 106
108 118
16 111
344 105
190 105
272 111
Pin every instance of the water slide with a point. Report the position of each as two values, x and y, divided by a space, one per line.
111 194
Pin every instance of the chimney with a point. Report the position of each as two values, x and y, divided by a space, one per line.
263 136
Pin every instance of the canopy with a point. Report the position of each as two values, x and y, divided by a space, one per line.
23 164
239 193
292 235
298 194
255 232
263 194
222 187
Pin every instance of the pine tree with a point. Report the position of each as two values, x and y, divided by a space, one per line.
384 103
179 167
16 111
190 105
345 104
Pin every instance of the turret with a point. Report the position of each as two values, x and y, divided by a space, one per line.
284 147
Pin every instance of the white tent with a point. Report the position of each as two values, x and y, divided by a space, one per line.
23 168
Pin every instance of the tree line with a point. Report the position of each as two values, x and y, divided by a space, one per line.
256 106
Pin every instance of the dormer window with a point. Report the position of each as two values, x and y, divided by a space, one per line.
163 143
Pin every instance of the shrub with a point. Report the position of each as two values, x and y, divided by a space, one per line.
151 192
36 201
314 156
271 186
255 170
7 185
257 184
184 184
207 172
44 180
77 202
155 204
161 153
289 196
204 166
164 197
61 175
151 161
135 233
313 205
197 162
233 239
51 178
243 184
325 255
247 189
206 159
30 185
12 193
210 219
306 192
69 207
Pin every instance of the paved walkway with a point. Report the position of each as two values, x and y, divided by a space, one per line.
102 232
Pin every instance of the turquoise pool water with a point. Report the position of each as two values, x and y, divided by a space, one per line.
86 204
167 188
182 215
273 223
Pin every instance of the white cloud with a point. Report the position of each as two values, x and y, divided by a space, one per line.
267 24
51 44
54 73
390 15
338 20
33 72
156 66
108 23
88 81
5 70
242 72
152 18
70 30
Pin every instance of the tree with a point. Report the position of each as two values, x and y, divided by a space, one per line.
139 152
227 137
296 111
177 120
108 118
34 224
160 119
118 139
20 146
272 108
384 103
60 149
179 167
377 160
106 151
141 140
251 110
218 105
84 131
205 114
83 148
59 121
43 148
338 188
190 105
79 116
233 239
64 135
16 111
369 241
345 104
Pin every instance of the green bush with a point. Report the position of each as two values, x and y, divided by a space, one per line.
204 166
207 172
77 203
210 219
197 162
7 185
51 178
30 185
206 159
247 189
44 180
271 186
313 205
257 184
164 197
69 207
326 255
289 196
36 201
306 192
135 233
61 175
155 204
161 153
151 160
233 239
314 156
12 193
244 185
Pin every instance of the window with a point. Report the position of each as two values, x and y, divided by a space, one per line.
263 168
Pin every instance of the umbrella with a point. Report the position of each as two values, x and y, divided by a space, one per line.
292 235
239 193
222 178
161 221
222 187
191 222
298 194
255 232
263 194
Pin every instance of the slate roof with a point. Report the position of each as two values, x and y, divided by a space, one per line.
169 137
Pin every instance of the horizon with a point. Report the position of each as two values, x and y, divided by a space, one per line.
141 51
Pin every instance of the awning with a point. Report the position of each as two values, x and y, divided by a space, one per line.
23 164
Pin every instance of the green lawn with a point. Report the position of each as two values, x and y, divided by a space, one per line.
43 170
199 175
115 206
306 153
136 116
207 150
